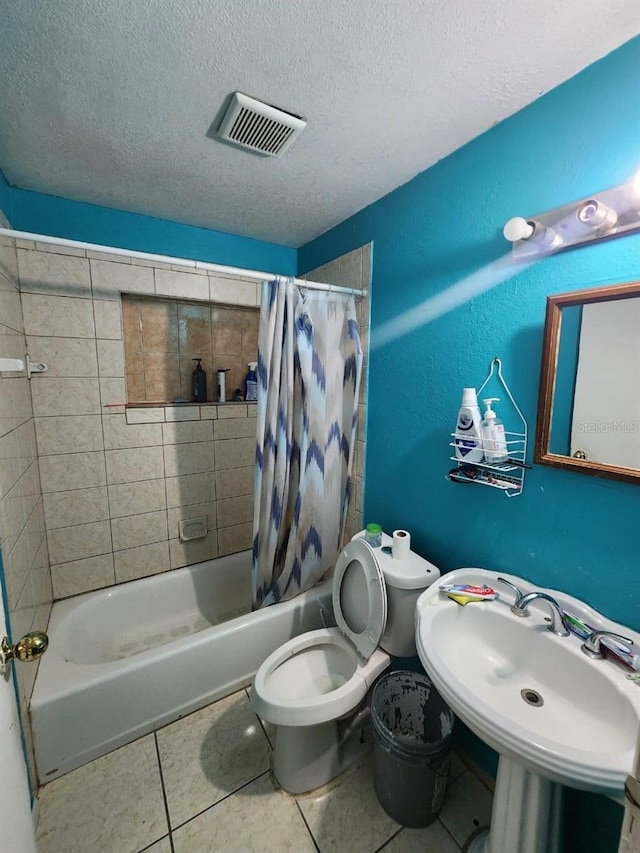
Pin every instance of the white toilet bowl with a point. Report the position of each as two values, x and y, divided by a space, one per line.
316 679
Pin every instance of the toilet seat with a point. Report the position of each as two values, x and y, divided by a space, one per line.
360 597
323 675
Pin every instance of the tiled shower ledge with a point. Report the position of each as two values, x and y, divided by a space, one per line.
151 413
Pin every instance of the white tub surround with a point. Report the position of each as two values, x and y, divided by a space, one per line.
125 661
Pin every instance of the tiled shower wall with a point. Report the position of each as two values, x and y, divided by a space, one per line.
354 270
22 528
117 484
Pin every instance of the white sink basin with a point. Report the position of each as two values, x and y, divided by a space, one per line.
482 656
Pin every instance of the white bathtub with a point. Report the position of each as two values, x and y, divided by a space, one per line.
124 661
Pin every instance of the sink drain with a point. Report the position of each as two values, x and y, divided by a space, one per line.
532 697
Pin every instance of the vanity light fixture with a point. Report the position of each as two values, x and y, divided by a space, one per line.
610 213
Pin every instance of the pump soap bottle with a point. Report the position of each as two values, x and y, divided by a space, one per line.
199 383
467 440
494 441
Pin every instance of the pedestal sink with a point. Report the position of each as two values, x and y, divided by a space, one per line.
555 716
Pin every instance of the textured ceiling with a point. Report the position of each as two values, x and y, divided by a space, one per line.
110 102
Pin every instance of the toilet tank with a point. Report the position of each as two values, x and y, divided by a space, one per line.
405 580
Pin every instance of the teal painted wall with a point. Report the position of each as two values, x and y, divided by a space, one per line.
5 196
61 217
435 241
444 227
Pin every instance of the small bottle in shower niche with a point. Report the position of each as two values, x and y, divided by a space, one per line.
251 382
199 383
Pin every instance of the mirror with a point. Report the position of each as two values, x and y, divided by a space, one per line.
589 404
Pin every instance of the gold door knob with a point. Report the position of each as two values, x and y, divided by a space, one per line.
30 647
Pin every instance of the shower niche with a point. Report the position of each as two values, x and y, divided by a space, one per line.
163 337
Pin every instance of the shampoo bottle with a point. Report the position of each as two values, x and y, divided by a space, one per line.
251 383
494 441
222 384
199 383
467 439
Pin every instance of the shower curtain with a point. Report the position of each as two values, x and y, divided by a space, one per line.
309 368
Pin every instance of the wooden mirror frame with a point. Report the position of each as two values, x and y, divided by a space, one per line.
549 364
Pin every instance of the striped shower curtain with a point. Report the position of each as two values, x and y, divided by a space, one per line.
309 367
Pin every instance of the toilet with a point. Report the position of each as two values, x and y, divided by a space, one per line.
314 687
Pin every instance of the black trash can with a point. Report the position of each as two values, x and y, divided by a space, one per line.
412 747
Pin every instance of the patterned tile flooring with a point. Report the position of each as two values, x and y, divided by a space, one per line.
203 784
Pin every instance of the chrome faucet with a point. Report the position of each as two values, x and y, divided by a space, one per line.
591 645
519 593
558 626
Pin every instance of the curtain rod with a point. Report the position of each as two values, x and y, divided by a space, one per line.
184 262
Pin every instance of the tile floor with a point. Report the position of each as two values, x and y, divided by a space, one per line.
203 784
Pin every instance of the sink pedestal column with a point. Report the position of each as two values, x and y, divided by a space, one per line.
526 816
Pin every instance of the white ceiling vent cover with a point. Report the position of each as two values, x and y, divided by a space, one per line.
258 126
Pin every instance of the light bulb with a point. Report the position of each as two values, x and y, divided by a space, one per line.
518 229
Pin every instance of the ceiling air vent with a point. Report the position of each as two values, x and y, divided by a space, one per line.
259 127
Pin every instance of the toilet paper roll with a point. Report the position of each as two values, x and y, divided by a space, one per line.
401 544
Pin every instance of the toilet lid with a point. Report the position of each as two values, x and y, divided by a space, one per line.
359 597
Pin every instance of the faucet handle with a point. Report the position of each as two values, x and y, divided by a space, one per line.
591 645
519 593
